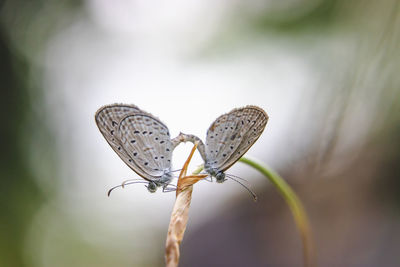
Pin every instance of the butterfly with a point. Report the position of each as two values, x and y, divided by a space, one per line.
229 137
141 140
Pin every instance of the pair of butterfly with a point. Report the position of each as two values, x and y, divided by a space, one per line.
143 142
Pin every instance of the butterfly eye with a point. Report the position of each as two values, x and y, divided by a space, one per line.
152 187
220 177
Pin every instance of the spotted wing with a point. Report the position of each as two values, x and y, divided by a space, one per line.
146 141
108 119
232 134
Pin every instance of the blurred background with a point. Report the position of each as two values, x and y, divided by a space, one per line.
326 72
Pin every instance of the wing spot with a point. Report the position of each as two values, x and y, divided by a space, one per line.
212 136
134 154
162 157
167 149
144 132
231 147
133 141
155 157
146 163
169 160
130 160
119 148
242 122
233 137
224 155
114 123
150 133
112 132
136 132
156 138
161 142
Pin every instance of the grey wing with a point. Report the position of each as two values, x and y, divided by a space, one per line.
147 142
108 119
232 134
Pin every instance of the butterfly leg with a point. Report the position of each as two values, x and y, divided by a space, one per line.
169 188
209 179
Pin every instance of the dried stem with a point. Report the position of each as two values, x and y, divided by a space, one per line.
180 212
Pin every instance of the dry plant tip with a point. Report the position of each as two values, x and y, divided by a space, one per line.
180 213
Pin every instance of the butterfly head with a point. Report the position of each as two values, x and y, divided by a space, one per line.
152 187
165 179
220 177
215 172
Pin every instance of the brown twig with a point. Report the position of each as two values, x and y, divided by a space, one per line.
180 213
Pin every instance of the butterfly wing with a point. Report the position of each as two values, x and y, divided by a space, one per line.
232 134
147 142
109 119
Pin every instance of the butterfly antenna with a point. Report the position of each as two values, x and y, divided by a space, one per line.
135 182
237 177
130 180
247 188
